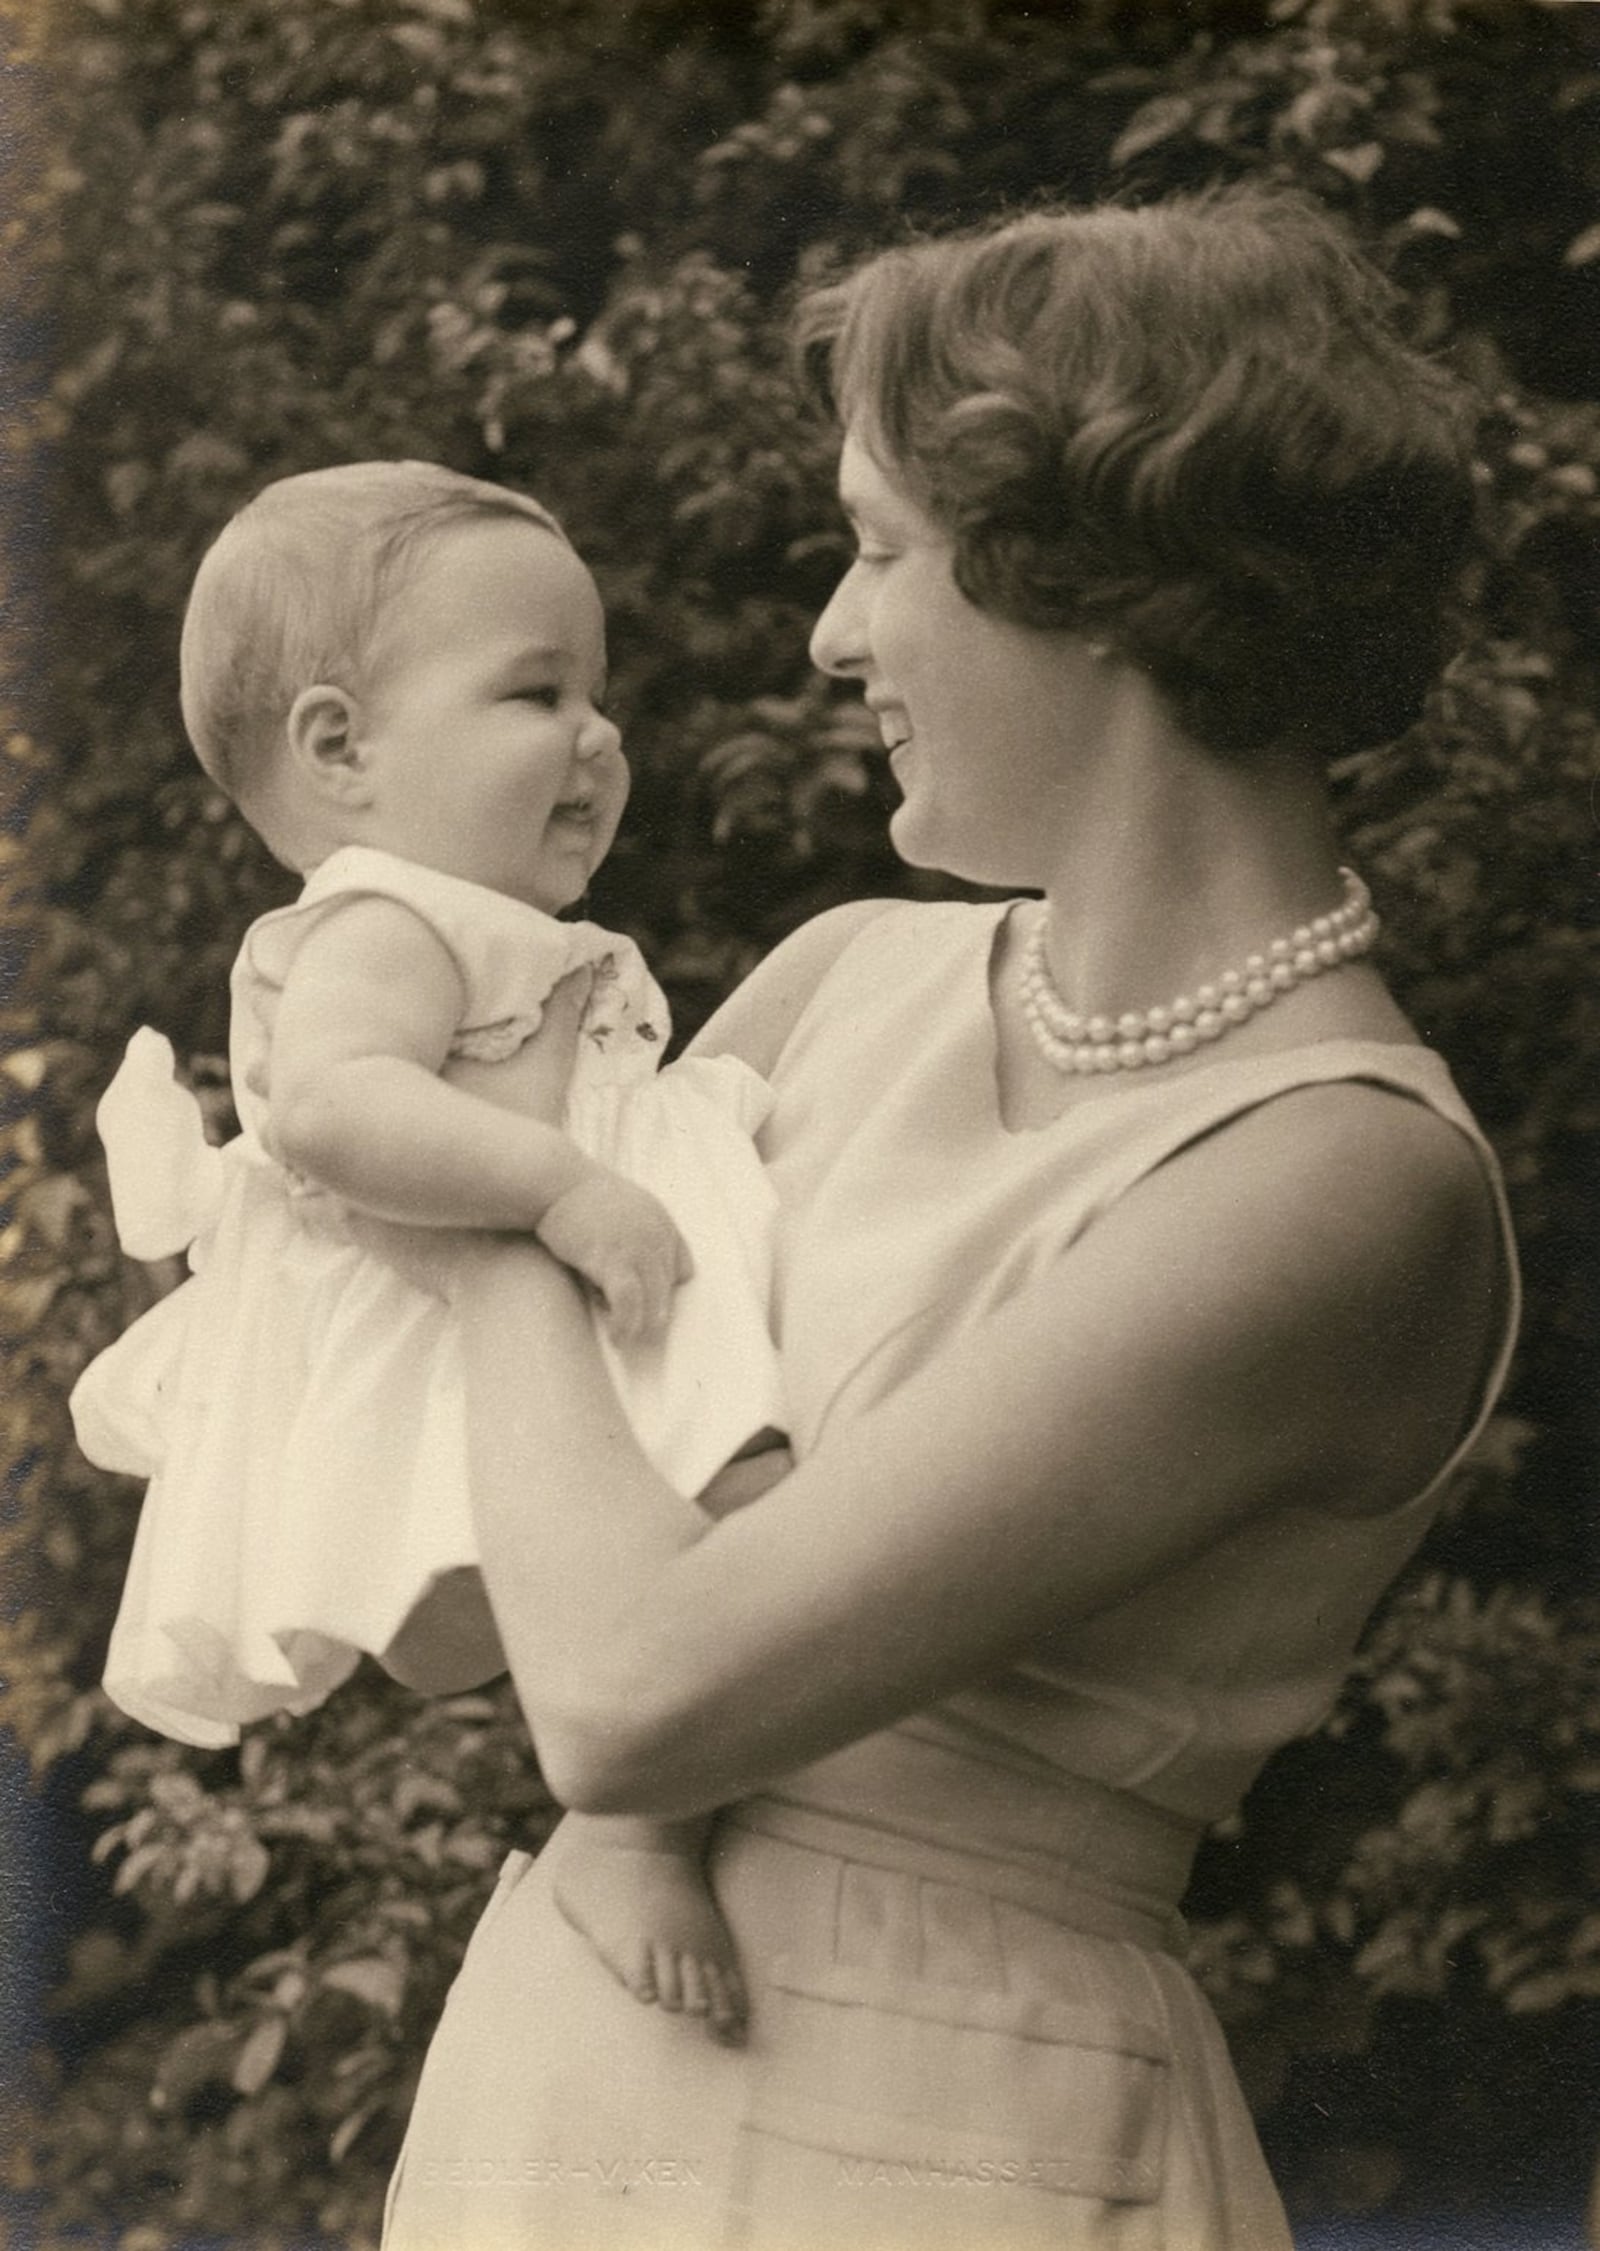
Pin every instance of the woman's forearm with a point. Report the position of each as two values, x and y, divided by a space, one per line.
667 1662
575 1527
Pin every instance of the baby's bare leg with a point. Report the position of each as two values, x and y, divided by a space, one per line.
449 1642
637 1891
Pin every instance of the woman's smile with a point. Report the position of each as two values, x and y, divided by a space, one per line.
986 722
893 725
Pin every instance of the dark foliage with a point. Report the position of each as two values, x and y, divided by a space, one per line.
550 241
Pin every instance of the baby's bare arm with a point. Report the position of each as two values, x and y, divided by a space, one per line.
532 1083
357 1101
359 1104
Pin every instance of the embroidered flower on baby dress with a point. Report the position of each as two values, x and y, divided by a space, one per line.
611 1009
610 1012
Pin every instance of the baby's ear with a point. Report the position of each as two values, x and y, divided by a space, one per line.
326 747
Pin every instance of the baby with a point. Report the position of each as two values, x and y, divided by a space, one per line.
398 674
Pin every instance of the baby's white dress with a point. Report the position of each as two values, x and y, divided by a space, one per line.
297 1405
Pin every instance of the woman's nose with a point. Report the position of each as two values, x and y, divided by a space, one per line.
839 637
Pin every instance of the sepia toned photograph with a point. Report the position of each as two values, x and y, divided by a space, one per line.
798 1084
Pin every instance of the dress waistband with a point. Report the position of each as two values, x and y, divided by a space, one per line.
1080 1854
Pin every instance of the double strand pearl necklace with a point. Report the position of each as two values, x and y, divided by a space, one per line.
1074 1043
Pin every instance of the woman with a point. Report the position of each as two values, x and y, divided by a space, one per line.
1128 1345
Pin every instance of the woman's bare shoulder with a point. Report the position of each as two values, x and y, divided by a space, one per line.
755 1021
1360 1230
1387 1160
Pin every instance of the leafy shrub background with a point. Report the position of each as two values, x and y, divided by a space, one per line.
549 241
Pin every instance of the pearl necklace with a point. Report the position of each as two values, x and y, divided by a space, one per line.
1075 1043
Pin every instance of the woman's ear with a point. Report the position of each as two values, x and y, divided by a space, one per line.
326 746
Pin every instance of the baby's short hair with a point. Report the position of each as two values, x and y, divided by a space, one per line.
1188 428
291 592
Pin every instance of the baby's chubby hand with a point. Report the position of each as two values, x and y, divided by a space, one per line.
622 1241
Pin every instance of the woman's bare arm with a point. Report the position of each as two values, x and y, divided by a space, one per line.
1295 1310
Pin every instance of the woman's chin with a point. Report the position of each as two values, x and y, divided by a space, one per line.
916 840
924 843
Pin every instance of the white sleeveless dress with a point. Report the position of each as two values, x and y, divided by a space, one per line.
971 2027
297 1405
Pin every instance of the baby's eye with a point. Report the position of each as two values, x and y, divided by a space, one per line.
870 555
547 695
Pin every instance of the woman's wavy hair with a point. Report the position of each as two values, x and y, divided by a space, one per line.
1188 429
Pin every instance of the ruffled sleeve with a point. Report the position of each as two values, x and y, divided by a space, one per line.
510 957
